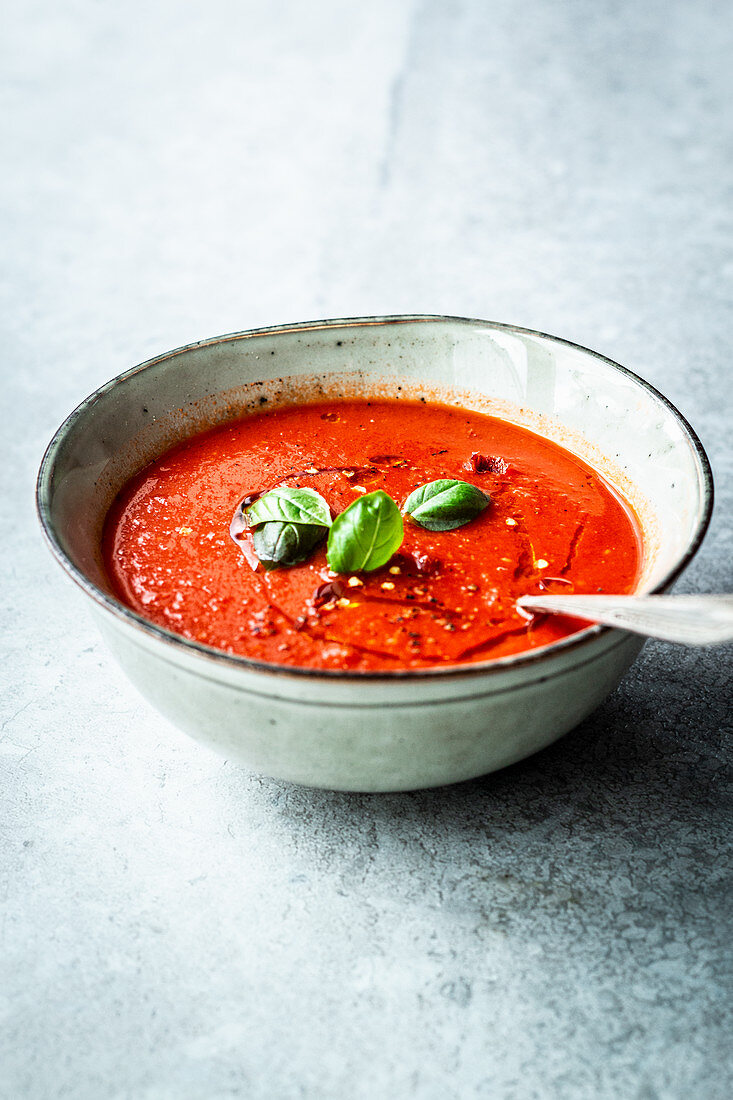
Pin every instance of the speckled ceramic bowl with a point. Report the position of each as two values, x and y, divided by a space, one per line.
394 730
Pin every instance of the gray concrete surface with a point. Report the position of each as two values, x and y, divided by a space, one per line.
172 928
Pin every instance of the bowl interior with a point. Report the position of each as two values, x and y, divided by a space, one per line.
600 411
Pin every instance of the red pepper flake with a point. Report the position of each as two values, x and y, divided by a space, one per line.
487 464
325 593
416 563
261 625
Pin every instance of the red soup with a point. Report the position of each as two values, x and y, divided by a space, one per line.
182 550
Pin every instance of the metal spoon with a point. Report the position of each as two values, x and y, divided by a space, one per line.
689 620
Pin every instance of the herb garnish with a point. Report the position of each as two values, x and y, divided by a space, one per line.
365 535
287 524
445 504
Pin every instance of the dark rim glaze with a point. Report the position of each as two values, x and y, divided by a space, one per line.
528 659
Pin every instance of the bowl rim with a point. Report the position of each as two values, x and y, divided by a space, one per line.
496 666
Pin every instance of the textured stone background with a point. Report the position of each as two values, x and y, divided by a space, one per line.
172 928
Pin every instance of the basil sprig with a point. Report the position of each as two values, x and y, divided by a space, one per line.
287 524
445 504
365 535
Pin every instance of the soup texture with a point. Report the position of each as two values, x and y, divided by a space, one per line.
180 549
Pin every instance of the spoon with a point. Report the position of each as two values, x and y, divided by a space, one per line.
689 620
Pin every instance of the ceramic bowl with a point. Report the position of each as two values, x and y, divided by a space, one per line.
394 730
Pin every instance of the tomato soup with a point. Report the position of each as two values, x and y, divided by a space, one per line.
178 549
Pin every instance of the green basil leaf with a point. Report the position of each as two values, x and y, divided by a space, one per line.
278 544
365 535
284 505
445 504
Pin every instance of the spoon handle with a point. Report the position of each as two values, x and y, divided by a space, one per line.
690 620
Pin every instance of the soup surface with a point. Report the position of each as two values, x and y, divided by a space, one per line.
444 597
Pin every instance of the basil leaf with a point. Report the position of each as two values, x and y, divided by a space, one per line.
445 504
365 535
287 524
284 505
279 544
